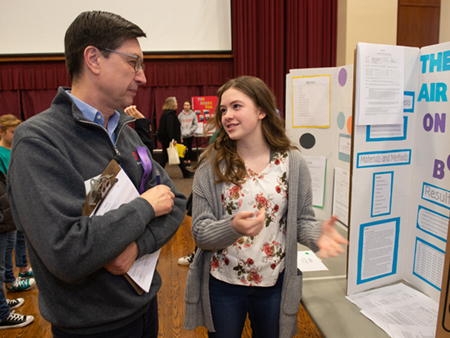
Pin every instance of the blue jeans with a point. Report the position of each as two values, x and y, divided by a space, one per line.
4 308
230 304
21 250
16 240
146 326
10 244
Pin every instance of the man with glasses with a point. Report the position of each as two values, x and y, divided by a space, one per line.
79 261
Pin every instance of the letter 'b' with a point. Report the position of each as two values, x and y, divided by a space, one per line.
438 171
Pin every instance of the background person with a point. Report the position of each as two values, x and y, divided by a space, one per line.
189 123
79 261
170 129
252 203
8 318
15 239
142 126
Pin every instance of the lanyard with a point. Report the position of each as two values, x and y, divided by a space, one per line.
147 164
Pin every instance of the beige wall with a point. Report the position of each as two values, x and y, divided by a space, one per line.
444 29
372 21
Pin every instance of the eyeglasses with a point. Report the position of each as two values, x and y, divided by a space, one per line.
137 65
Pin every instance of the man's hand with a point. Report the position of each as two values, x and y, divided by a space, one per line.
161 198
245 224
124 261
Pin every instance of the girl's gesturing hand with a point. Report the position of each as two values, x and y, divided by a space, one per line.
330 241
249 223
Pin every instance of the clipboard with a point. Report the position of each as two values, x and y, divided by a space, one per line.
100 188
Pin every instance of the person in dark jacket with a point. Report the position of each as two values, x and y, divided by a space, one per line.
170 129
142 126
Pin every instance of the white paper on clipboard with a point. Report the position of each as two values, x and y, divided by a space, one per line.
124 191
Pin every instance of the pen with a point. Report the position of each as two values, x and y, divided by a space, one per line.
158 177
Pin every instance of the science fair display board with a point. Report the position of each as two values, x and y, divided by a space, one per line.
400 167
318 121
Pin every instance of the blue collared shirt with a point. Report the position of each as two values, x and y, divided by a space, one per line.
95 116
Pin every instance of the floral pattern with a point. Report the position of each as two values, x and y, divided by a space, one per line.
232 200
273 253
256 260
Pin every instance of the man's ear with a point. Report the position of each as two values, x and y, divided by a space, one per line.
92 57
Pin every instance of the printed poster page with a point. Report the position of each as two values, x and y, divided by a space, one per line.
404 331
399 309
378 249
381 84
341 194
345 145
386 131
311 101
409 313
308 261
382 193
318 168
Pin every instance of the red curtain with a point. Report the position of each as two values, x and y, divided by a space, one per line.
33 75
270 37
10 102
27 88
258 41
36 101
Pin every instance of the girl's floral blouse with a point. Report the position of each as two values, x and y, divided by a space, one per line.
256 260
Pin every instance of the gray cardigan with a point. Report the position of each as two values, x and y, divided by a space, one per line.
212 230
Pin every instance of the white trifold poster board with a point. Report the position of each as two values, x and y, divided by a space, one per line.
318 120
400 170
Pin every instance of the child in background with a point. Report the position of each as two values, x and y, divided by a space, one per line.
252 203
16 239
9 319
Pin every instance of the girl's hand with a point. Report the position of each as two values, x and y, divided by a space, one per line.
249 223
330 240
